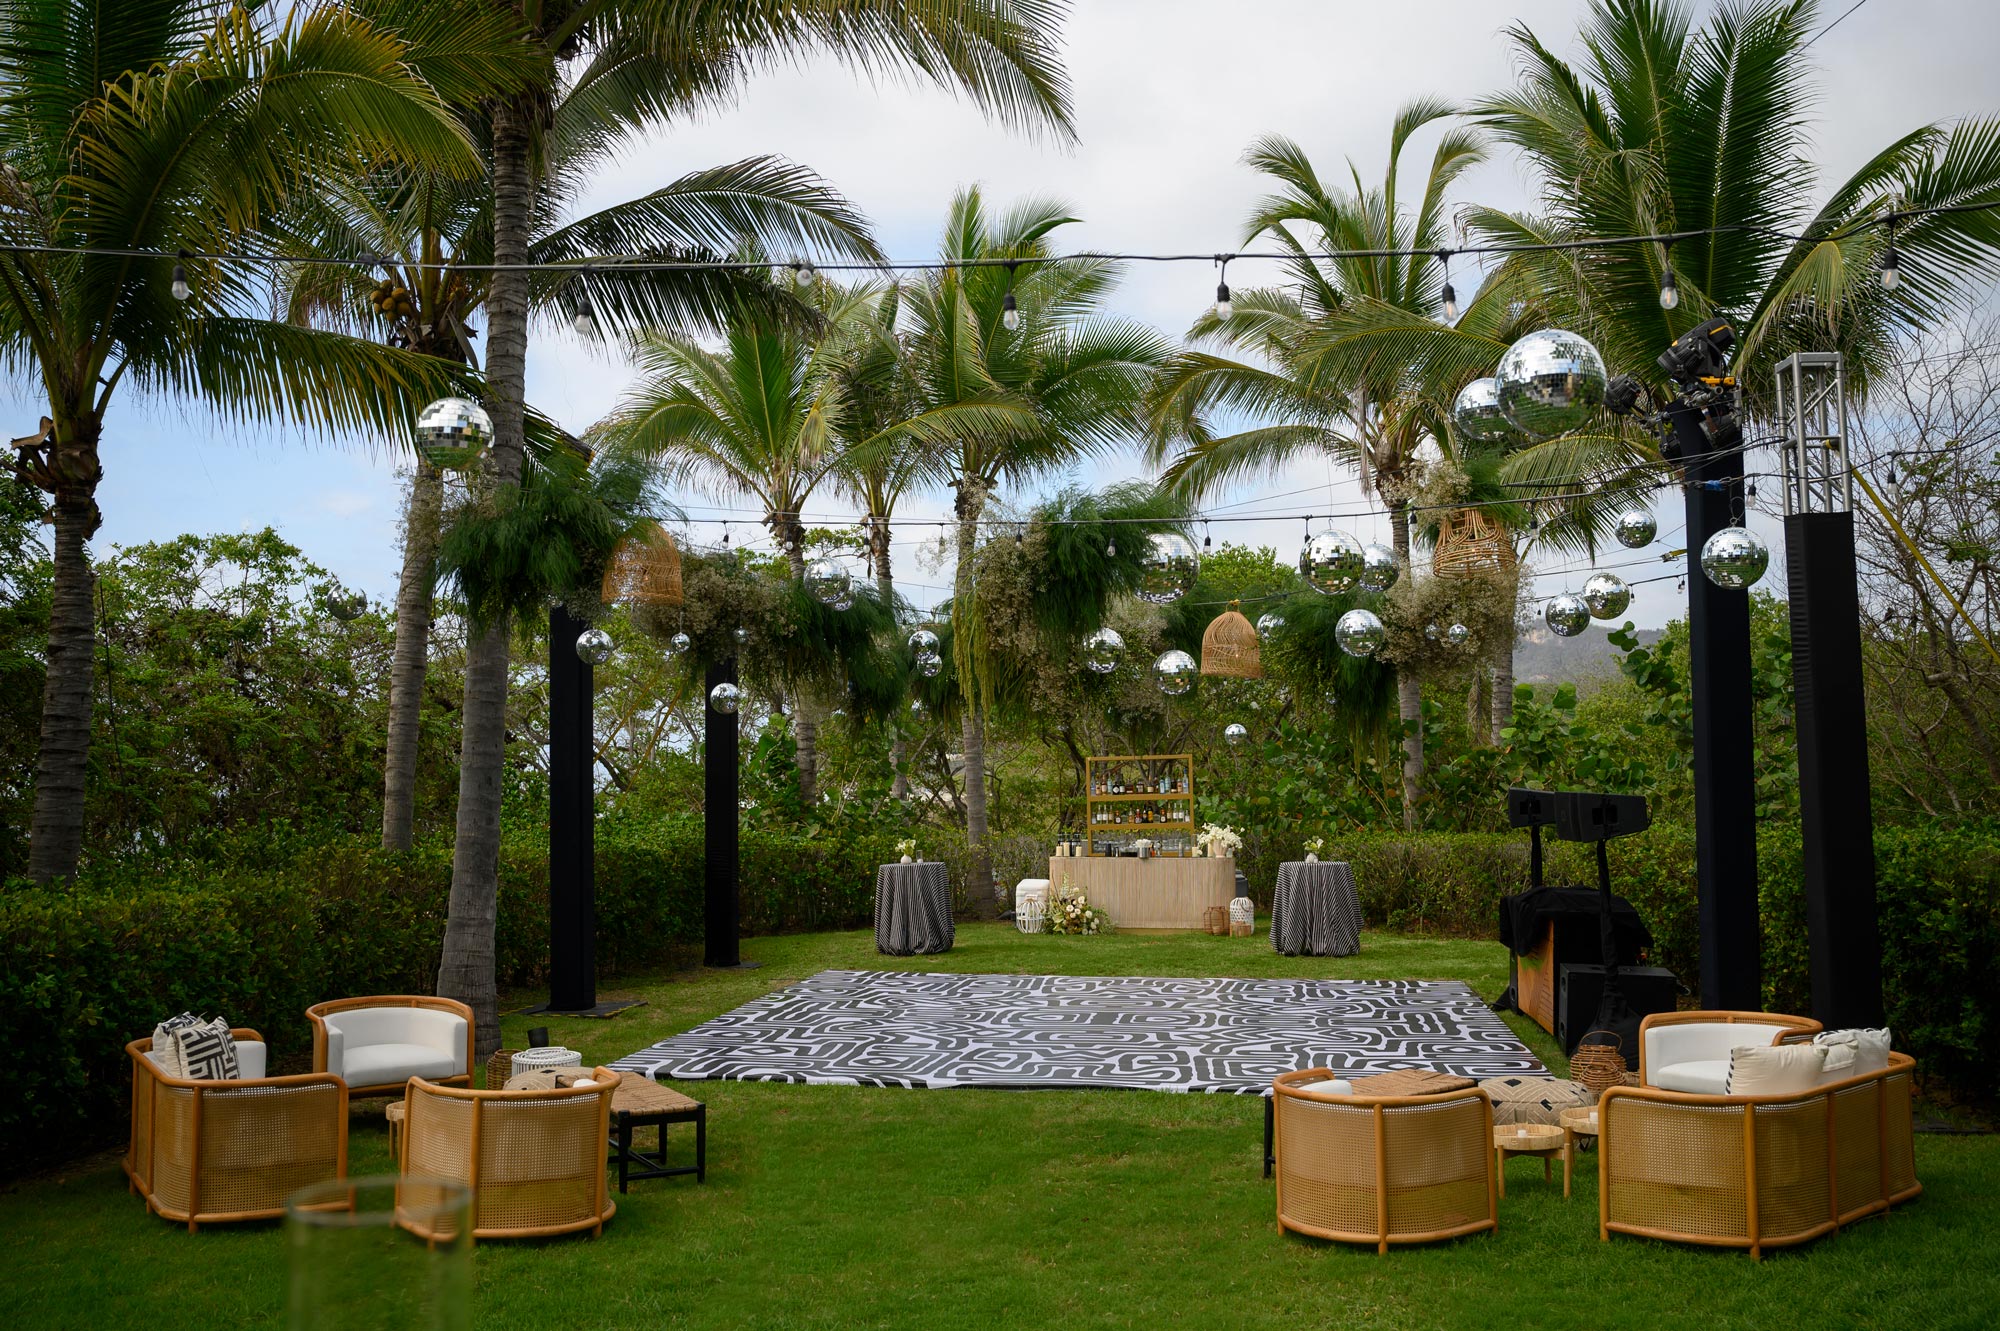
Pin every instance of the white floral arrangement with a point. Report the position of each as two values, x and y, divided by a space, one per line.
907 846
1316 844
1070 912
1219 842
1142 843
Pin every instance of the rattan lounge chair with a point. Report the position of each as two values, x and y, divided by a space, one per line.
211 1151
533 1159
377 1044
1383 1169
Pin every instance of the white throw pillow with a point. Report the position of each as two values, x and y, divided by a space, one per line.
1774 1069
165 1052
1870 1046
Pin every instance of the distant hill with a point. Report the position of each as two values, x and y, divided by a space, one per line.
1587 660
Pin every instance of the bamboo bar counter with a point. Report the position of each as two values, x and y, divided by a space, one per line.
1159 893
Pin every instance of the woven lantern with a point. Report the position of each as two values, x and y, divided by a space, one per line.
645 569
1470 542
1229 647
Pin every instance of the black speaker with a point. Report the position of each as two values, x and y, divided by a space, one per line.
1580 988
1529 808
1587 816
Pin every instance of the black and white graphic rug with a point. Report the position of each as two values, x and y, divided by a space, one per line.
897 1028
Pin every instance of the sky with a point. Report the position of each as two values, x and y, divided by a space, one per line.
1168 94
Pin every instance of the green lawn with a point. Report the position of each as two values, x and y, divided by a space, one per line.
845 1207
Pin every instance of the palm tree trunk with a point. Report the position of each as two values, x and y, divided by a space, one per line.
412 655
979 873
466 970
1409 687
885 587
805 724
1503 675
56 829
1478 706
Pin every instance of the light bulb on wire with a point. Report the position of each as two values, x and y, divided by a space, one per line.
802 272
1450 296
585 322
1224 306
1670 294
1892 270
179 285
1010 313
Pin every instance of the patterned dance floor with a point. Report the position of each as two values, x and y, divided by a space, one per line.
1062 1032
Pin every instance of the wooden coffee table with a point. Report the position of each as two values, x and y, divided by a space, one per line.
638 1102
1575 1123
1543 1140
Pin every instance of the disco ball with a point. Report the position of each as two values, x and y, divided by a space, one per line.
345 608
1551 382
1458 635
1477 413
680 642
1269 624
827 581
593 647
724 697
928 666
917 707
1567 615
1359 633
1433 632
1174 672
844 603
452 431
1235 733
924 643
1379 568
1607 595
1103 650
1636 527
742 635
1168 568
1734 558
1333 562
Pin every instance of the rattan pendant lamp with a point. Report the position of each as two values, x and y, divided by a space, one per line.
1229 647
645 570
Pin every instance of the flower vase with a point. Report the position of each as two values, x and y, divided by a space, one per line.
1311 858
906 859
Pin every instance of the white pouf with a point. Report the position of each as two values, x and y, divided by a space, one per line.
548 1056
1031 905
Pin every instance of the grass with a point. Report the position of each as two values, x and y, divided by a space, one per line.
848 1207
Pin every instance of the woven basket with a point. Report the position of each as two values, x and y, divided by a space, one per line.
1229 647
1471 542
645 570
1215 919
1598 1067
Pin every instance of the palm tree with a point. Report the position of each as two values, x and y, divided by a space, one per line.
1063 384
161 126
1360 411
999 53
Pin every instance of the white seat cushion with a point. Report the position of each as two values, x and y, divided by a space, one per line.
1706 1076
391 1064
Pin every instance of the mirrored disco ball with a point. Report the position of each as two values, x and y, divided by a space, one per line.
724 698
1379 568
1359 633
1269 624
1566 615
345 608
1636 527
1734 558
452 431
1458 635
1476 412
1168 568
1103 650
929 664
1433 632
1174 672
1235 732
1551 382
742 635
917 707
593 646
1607 595
827 581
1333 562
680 642
924 643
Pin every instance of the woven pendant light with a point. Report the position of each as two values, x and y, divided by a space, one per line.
645 569
1471 542
1229 647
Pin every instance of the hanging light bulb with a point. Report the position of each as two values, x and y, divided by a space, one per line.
1670 294
725 533
1017 537
1450 296
1207 543
1111 547
1224 307
1892 469
180 278
802 272
1892 268
585 322
1010 312
940 538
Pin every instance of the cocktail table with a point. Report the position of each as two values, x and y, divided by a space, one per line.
1543 1140
1575 1123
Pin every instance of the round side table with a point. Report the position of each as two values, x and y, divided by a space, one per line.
1575 1123
1543 1140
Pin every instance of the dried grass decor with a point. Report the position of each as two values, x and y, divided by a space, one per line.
645 569
1469 541
1229 647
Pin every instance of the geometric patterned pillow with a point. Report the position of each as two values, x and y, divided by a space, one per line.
1532 1099
163 1043
206 1051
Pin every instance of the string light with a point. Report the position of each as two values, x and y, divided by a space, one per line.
180 278
586 318
725 533
1670 294
802 272
1450 296
1892 269
940 538
1111 547
1207 542
1010 312
1224 306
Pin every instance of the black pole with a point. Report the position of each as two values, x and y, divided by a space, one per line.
1725 827
572 875
1835 811
720 817
1535 855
